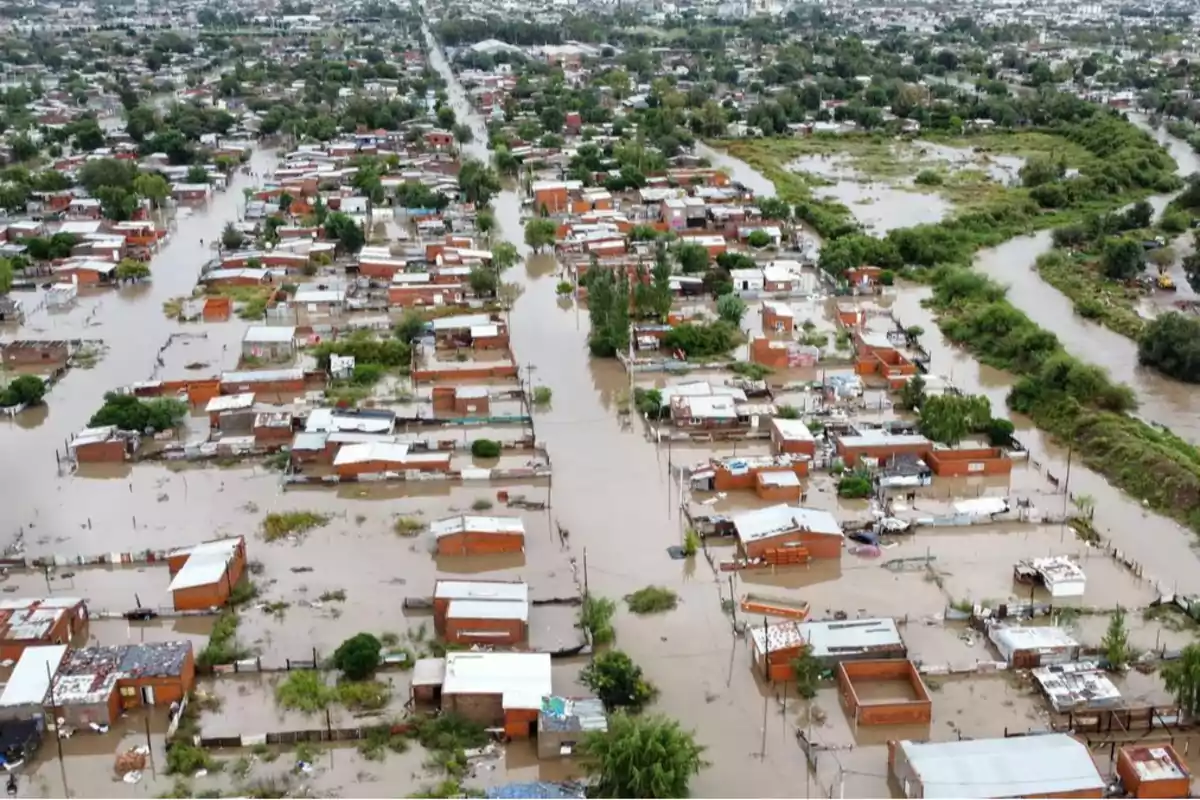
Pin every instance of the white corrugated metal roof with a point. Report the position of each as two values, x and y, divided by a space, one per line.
481 590
488 609
1017 766
521 679
269 334
229 402
30 679
205 565
370 451
765 522
453 525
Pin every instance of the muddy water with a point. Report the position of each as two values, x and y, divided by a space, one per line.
1161 400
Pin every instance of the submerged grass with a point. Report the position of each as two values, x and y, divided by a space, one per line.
305 691
651 600
279 525
1093 295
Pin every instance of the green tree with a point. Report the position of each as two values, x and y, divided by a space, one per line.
107 172
1182 679
948 418
1171 345
1041 169
482 281
132 270
650 757
346 232
25 389
540 233
231 237
731 308
758 239
912 394
129 413
116 204
504 256
693 258
1122 258
462 133
617 681
197 174
1116 641
153 187
807 671
359 656
477 182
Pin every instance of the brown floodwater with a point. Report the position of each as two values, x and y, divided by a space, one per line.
612 489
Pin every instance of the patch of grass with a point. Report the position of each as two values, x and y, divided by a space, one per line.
278 461
651 600
754 372
378 741
542 396
595 617
305 691
245 591
305 752
363 695
691 542
267 788
1092 295
389 638
276 608
482 504
278 525
241 767
333 595
408 526
184 758
223 647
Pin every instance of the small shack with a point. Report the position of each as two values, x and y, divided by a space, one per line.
1156 771
897 696
564 721
769 533
203 576
1030 647
477 536
25 693
269 342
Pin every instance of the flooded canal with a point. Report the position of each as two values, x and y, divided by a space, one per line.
1162 400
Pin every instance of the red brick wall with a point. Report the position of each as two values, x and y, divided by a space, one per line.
101 452
476 544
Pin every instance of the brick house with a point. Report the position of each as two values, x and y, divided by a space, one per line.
204 575
28 622
472 535
497 689
792 436
461 401
98 684
768 533
103 445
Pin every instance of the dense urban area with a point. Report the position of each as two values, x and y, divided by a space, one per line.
635 399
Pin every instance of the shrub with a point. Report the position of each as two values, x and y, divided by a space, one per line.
485 448
651 600
281 524
617 681
407 526
855 485
304 691
359 656
564 288
363 695
542 395
929 177
595 617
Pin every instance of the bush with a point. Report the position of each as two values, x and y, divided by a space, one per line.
130 413
542 395
222 647
359 656
855 485
363 695
595 617
929 177
887 277
278 525
651 600
702 341
1171 345
304 691
485 448
564 288
617 681
27 389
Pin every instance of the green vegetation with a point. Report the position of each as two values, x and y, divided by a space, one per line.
648 402
378 741
485 448
129 413
608 311
184 758
26 389
651 600
595 617
222 647
855 485
618 682
700 340
649 757
408 526
278 525
363 695
1116 642
481 504
1182 679
731 308
1171 345
807 671
305 691
359 656
691 542
1093 296
391 353
949 418
746 369
1074 401
542 396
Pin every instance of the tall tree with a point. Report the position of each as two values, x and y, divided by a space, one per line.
649 757
1182 678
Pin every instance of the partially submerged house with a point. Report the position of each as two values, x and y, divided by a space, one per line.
1052 765
28 622
497 689
25 692
481 612
770 533
103 445
829 642
1034 646
96 684
203 576
468 535
565 721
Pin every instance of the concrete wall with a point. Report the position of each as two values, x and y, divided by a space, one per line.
819 545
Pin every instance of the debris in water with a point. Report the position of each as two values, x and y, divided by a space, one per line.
164 497
302 569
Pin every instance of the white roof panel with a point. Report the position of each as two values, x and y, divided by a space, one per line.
522 679
1017 766
30 679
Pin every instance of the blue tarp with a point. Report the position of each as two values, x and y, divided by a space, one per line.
541 790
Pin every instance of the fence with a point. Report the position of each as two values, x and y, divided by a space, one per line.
326 734
255 665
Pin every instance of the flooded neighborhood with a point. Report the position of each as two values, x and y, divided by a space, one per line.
731 400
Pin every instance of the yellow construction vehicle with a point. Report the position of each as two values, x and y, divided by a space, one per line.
1165 283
